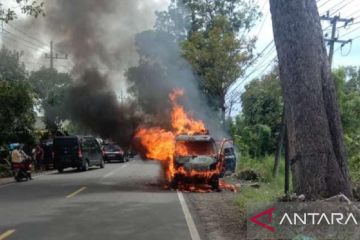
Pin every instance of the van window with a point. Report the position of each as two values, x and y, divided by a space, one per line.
61 143
228 151
88 143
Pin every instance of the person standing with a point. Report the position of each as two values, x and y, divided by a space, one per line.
39 157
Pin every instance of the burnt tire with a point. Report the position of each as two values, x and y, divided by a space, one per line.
214 182
174 184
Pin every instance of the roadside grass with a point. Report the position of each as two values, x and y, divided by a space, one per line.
269 189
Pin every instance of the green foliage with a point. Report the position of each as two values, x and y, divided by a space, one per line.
263 166
348 95
262 102
251 140
185 17
11 69
256 130
50 87
16 112
29 7
46 81
16 100
208 31
267 192
216 55
270 189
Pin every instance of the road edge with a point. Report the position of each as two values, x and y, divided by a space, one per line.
194 233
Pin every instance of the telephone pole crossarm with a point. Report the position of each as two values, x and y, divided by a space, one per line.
334 39
52 57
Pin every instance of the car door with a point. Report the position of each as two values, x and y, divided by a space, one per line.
97 153
87 150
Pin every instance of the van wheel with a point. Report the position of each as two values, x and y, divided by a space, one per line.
60 170
85 166
214 182
102 164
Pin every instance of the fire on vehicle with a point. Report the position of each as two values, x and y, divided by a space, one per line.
188 153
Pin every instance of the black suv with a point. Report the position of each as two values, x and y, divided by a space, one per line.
77 152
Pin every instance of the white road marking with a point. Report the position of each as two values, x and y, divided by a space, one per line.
189 220
115 171
6 234
76 192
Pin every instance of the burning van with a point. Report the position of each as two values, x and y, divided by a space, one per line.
196 161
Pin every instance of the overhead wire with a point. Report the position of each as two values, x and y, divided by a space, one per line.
246 77
342 7
35 41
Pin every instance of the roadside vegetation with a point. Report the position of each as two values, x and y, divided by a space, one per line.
264 188
256 131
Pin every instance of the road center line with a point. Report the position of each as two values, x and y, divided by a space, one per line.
75 193
6 234
113 172
189 220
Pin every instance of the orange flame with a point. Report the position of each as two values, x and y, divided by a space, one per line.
180 121
160 143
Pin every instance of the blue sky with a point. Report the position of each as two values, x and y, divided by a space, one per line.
348 55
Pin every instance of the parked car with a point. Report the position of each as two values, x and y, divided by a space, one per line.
77 152
113 152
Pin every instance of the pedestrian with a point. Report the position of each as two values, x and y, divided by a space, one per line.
39 157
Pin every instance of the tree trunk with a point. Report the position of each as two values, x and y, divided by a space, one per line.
279 146
316 145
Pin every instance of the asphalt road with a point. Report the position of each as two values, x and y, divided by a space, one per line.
121 201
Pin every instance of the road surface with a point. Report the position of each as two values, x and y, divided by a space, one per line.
121 201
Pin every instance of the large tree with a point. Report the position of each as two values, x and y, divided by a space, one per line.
185 17
215 41
315 135
219 58
16 100
50 87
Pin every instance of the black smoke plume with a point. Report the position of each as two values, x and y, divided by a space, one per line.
92 103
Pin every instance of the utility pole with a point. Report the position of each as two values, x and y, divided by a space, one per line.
52 57
334 39
122 98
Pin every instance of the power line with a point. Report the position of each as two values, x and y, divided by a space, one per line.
257 68
337 10
347 33
39 42
246 77
323 4
19 39
335 6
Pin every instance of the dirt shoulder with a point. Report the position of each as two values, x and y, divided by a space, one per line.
219 215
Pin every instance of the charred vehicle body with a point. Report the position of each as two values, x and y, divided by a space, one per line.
196 161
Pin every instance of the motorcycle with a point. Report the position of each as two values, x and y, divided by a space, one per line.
22 170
